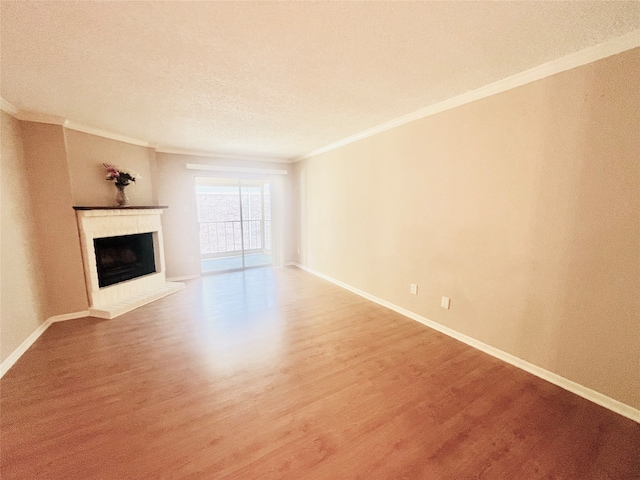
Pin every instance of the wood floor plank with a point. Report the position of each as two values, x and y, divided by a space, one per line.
274 373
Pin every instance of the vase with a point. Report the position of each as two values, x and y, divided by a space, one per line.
121 196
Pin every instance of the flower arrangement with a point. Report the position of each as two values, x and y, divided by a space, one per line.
121 176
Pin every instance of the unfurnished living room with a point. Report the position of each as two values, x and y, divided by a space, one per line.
320 240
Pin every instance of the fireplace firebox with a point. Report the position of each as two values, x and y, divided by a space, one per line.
124 257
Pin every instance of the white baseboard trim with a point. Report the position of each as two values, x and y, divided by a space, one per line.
68 316
185 277
24 346
30 340
569 385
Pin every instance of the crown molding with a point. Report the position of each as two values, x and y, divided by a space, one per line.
104 133
582 57
8 108
574 60
40 118
222 156
29 116
79 127
55 120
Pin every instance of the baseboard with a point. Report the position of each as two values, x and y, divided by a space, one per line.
30 340
67 316
24 346
569 385
185 277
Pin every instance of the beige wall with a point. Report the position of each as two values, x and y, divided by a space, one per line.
523 208
53 169
22 302
56 229
86 153
176 189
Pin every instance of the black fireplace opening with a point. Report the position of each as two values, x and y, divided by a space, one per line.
122 258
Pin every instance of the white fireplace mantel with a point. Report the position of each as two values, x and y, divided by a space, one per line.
101 222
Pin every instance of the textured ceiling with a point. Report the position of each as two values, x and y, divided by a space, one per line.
275 79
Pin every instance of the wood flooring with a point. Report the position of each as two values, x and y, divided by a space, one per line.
276 374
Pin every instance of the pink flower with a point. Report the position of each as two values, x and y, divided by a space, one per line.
120 175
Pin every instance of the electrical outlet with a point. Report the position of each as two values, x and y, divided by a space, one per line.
414 289
445 303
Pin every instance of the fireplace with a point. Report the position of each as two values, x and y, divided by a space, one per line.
123 258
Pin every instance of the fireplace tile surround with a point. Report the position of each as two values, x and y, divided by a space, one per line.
101 222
